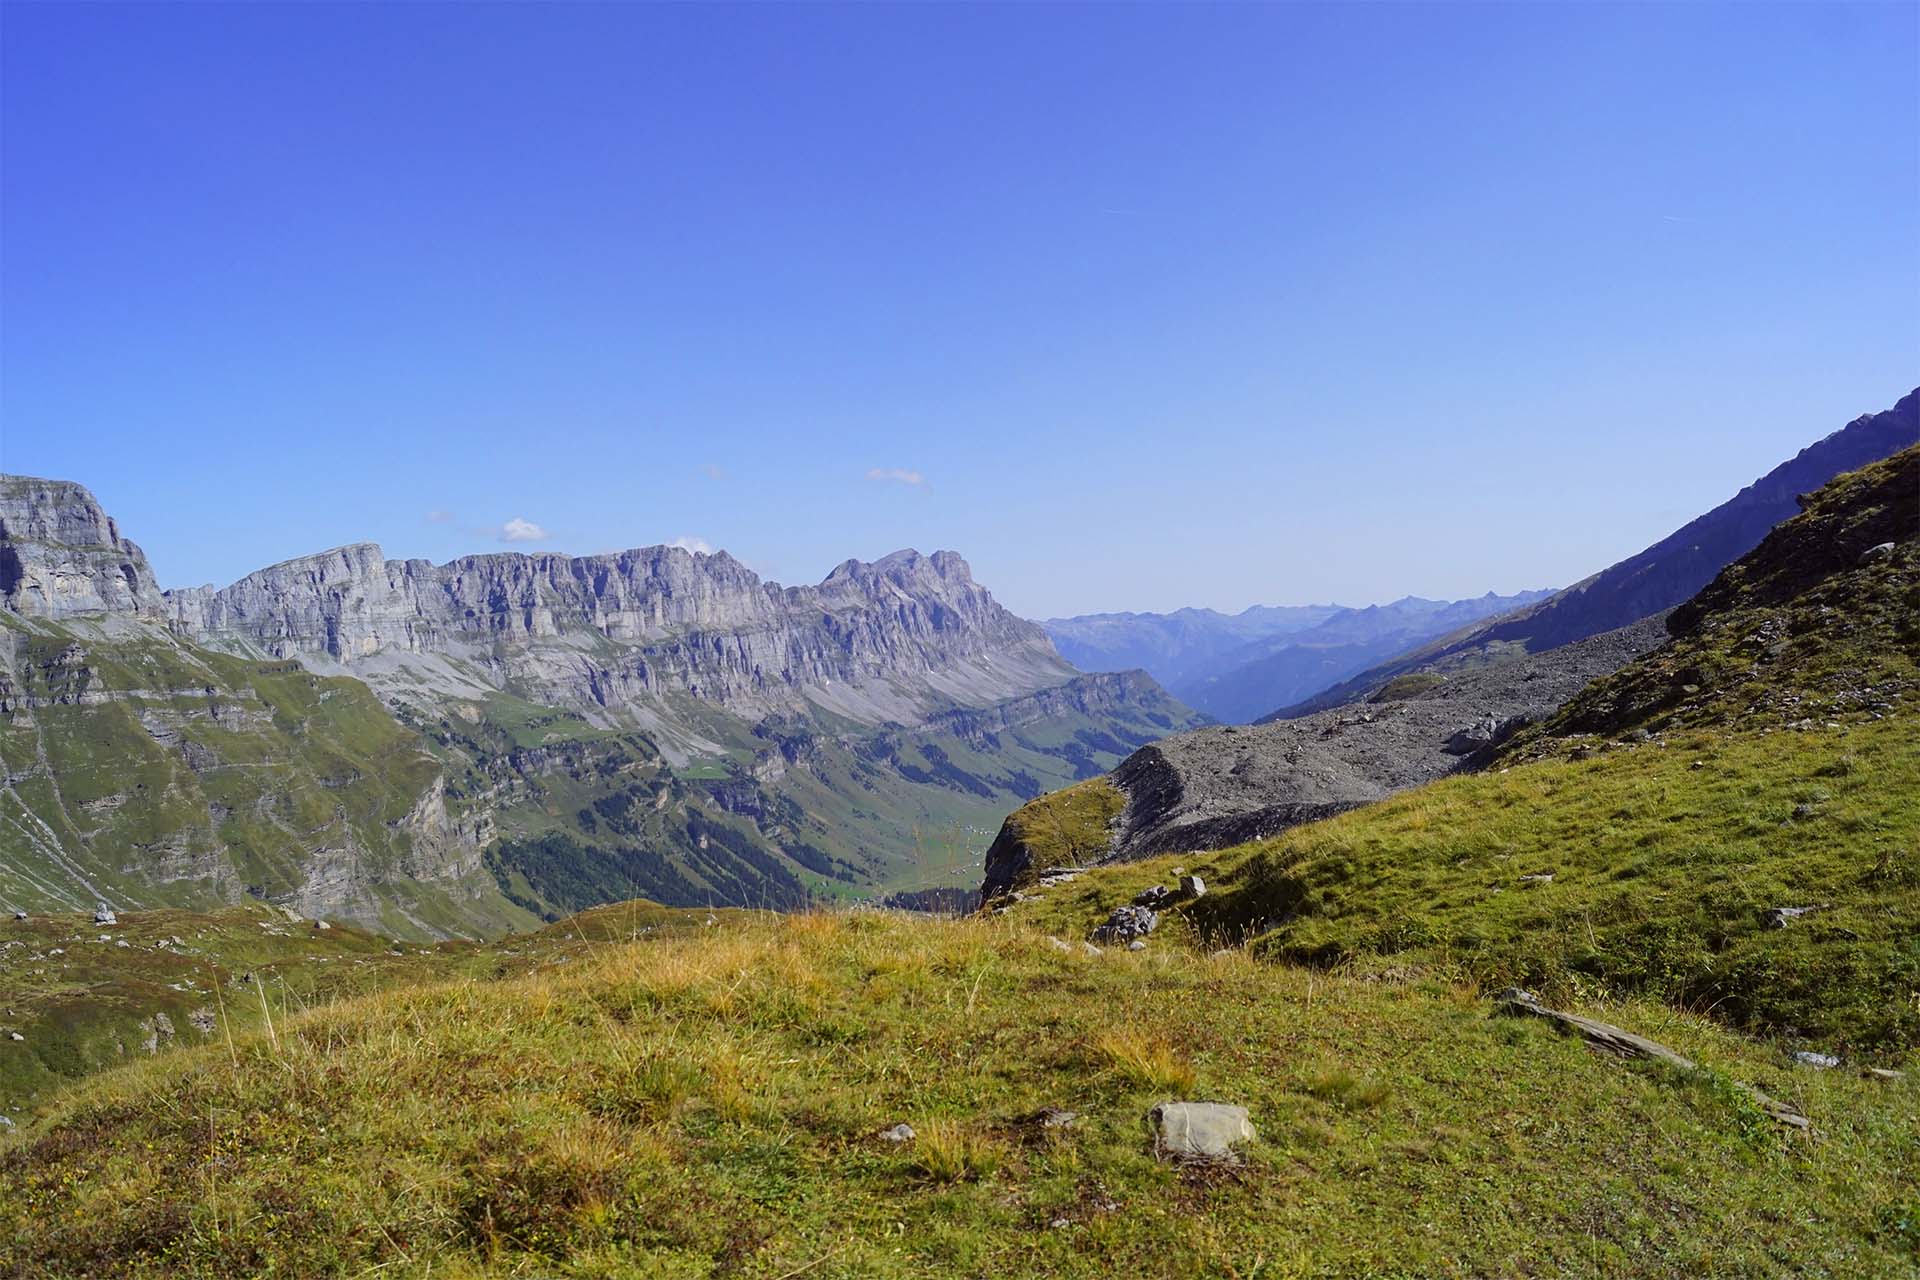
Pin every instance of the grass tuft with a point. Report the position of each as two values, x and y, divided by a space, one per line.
1144 1060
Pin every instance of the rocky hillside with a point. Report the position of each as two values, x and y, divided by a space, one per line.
1225 785
1663 575
1821 620
142 771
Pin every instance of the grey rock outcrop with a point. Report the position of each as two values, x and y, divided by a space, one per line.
62 556
1605 1037
892 640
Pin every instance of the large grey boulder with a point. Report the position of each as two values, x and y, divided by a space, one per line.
1199 1130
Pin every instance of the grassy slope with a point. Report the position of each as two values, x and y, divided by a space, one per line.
1768 757
1664 858
83 1002
262 764
708 1106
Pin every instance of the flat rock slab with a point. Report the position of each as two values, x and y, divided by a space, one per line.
1608 1038
1199 1130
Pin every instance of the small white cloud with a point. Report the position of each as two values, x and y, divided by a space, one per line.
713 472
895 475
687 542
439 516
518 530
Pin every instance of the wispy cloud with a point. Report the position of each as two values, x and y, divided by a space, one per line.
519 530
687 542
896 475
438 516
713 472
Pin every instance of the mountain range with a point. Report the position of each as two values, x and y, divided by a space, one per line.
1236 667
476 745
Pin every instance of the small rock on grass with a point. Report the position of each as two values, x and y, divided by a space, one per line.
1883 1073
899 1133
1199 1130
1056 1117
1818 1061
1127 923
1138 944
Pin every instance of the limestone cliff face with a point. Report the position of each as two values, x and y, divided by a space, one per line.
879 641
61 556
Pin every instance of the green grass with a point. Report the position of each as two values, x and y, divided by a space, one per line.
1410 685
1068 827
1664 859
707 1106
1768 757
84 1002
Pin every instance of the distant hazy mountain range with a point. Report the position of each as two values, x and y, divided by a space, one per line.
1235 667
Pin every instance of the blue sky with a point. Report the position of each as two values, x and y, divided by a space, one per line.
1133 307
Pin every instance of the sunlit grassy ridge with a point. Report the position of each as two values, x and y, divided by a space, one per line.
1664 860
707 1106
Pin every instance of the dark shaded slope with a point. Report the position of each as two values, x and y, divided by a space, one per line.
1667 572
1821 621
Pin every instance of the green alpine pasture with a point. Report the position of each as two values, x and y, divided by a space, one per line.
712 1105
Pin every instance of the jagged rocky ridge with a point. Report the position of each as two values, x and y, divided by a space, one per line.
888 641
